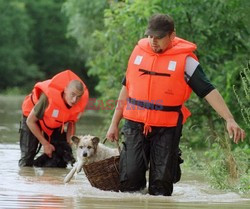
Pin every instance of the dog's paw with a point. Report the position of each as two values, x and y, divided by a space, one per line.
66 179
79 168
69 175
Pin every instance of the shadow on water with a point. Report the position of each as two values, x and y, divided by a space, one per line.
44 188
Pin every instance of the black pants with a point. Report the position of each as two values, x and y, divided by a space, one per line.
29 143
156 149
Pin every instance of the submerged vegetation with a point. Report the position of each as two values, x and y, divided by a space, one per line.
225 167
228 168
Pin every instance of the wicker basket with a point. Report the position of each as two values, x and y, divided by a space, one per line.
104 174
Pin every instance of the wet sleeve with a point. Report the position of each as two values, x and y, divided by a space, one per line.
40 106
199 83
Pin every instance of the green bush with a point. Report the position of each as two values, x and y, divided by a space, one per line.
226 168
243 96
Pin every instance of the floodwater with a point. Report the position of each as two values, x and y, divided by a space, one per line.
44 188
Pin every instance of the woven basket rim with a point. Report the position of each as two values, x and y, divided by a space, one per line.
100 180
90 164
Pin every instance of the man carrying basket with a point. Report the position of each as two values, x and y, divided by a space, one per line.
162 72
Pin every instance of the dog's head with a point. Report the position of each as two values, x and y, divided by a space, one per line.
86 145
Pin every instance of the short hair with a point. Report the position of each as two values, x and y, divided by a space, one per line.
160 25
76 84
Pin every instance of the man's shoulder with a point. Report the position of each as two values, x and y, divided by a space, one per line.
43 97
191 62
40 106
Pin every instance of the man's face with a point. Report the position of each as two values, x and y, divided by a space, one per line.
159 45
72 95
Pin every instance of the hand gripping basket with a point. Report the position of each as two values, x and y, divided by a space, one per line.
104 174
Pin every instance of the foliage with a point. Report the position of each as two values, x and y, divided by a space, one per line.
228 168
225 167
193 159
84 18
113 41
15 68
221 34
14 91
244 100
107 31
34 44
53 50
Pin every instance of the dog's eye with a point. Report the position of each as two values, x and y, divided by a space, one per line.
89 147
80 147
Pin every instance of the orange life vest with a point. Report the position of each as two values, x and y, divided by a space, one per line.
57 113
155 84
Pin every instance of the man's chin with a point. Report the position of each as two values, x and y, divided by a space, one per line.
157 50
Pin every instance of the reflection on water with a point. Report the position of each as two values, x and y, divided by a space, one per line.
44 188
33 201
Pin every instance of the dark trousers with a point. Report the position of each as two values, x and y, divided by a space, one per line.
154 150
29 143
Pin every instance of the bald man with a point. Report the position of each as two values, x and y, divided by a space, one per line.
52 104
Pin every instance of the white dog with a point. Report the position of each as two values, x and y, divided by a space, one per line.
89 150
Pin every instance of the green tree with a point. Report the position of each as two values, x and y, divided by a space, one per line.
53 51
222 37
15 47
218 27
85 17
243 96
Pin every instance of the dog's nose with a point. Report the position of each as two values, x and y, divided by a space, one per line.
85 154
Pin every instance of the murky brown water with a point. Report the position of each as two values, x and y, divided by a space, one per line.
44 188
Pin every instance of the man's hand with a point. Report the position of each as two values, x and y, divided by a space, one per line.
235 131
215 99
113 133
48 149
32 123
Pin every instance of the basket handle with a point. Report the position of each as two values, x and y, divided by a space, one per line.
117 144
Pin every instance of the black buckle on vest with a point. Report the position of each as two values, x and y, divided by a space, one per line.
147 72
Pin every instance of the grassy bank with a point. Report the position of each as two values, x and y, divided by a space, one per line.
226 168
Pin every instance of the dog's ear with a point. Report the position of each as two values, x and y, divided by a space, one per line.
75 139
95 140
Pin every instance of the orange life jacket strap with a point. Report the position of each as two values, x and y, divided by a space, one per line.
73 127
147 129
